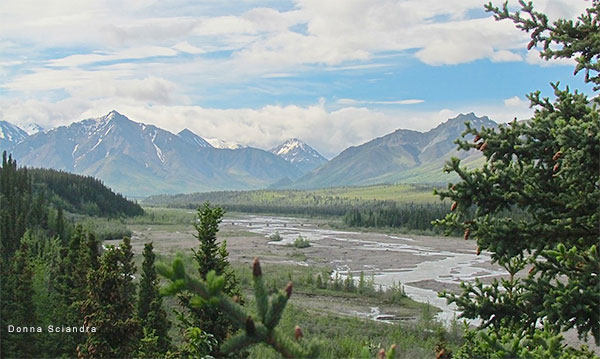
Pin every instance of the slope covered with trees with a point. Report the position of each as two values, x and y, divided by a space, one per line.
81 194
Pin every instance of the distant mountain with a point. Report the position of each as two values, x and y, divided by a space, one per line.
402 156
10 135
138 159
30 127
217 143
299 154
193 139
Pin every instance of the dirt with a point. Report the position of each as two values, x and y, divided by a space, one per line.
424 265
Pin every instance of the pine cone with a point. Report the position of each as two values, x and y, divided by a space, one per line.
288 289
250 327
556 167
297 333
556 156
256 271
467 233
453 207
483 147
477 138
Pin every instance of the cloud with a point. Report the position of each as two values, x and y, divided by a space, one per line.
533 57
515 101
185 46
349 101
505 56
125 54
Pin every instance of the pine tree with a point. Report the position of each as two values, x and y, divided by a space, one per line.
210 256
110 305
259 328
18 306
151 315
536 200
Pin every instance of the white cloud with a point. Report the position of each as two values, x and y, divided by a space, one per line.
125 54
533 57
506 56
515 101
185 46
349 101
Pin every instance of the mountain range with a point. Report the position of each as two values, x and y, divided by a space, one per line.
140 160
401 156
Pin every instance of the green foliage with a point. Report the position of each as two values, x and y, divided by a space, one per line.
151 314
259 329
211 257
81 194
18 307
547 169
507 343
407 206
406 216
110 306
301 242
198 344
275 237
320 201
563 39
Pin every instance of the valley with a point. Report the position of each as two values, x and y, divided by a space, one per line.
421 265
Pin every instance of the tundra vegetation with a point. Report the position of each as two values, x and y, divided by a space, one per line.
534 205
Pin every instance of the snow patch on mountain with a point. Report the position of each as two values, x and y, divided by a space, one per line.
217 143
299 154
11 133
30 127
193 139
294 150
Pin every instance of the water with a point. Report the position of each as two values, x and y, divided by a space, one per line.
445 266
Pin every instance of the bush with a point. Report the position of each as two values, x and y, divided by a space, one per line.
275 237
301 242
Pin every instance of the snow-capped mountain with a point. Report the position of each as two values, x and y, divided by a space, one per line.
401 156
299 154
10 135
193 139
139 159
217 143
30 127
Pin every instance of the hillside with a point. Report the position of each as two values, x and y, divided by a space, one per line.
81 194
402 156
139 159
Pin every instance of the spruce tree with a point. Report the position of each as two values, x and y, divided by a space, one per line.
535 203
110 307
18 306
151 315
210 256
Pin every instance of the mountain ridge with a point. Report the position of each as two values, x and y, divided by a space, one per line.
141 159
299 154
401 156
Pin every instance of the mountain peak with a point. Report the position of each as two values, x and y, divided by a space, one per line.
193 139
10 133
290 145
299 153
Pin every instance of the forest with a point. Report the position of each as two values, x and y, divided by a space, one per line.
402 206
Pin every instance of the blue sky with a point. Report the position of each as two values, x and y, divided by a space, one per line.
334 73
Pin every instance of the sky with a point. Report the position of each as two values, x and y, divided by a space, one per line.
333 73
